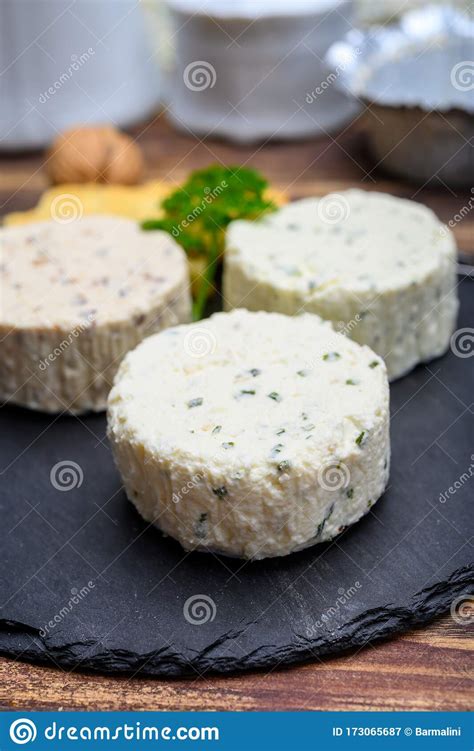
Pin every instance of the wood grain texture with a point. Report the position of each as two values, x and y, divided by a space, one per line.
422 670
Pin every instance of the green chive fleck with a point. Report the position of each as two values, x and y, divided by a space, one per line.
195 402
277 449
331 356
275 396
322 524
284 466
373 364
228 444
217 429
360 438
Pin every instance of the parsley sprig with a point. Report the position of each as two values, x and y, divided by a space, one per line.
198 213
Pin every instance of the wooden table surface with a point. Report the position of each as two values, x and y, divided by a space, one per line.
427 669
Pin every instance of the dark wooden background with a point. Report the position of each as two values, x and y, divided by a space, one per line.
428 669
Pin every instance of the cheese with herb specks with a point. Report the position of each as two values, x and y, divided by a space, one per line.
74 298
382 269
251 434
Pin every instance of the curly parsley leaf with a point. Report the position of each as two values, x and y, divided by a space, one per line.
198 213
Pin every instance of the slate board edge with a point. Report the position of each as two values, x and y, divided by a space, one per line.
23 642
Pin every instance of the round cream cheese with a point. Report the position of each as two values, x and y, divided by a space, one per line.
382 269
74 298
251 434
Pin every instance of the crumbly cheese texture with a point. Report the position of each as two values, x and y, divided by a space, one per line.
251 434
74 298
382 269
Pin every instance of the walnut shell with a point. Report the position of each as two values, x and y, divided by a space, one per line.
94 154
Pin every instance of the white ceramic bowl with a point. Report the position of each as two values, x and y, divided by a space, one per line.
65 64
250 71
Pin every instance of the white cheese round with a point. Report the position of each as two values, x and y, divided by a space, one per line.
74 298
251 434
382 269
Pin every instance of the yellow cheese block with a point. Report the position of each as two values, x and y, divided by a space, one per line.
136 202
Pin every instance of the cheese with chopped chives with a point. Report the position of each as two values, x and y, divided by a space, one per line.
241 434
382 269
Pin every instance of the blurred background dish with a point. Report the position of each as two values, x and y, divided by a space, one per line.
386 11
249 71
65 64
417 82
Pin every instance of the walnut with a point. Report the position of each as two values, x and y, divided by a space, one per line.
94 154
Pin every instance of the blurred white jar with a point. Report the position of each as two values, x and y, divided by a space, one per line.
252 69
64 63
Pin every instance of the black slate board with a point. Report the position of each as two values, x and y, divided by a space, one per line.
404 563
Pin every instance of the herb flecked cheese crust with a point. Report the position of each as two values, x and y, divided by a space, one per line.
251 434
74 298
382 269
